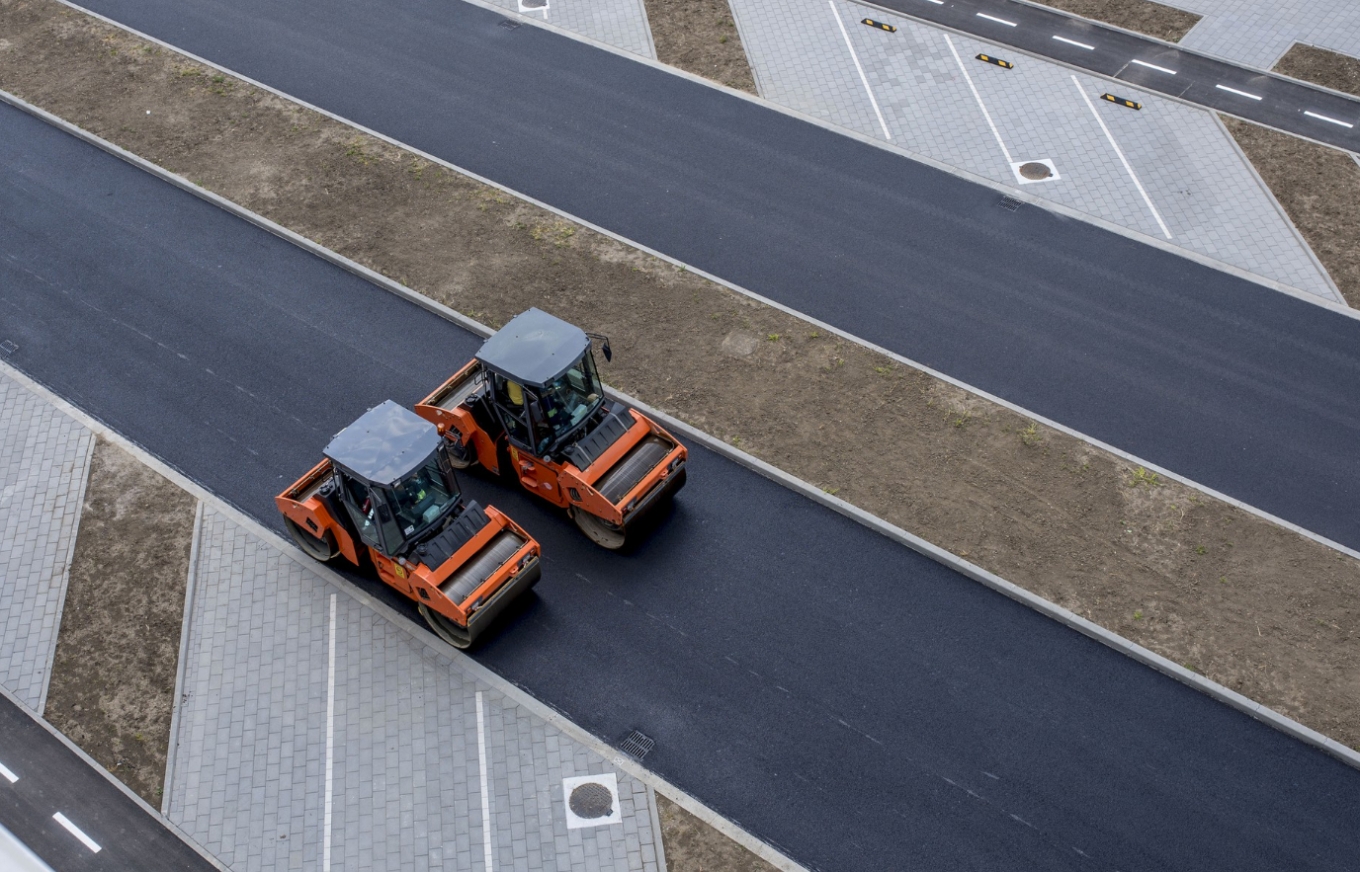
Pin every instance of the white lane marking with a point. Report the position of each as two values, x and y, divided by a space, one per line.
859 69
1312 114
997 20
1074 42
978 97
936 2
76 831
1125 161
9 776
330 748
1237 92
1154 67
486 793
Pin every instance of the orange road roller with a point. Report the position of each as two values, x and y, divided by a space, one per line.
386 491
531 405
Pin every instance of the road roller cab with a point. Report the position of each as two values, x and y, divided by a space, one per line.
531 405
387 490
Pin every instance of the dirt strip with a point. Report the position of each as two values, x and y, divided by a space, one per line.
1321 67
1264 611
113 679
694 846
1319 188
700 37
1140 16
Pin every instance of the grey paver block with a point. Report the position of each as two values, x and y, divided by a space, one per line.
44 463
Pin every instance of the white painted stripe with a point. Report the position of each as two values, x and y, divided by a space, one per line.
1154 67
76 831
329 798
1074 42
1312 114
486 792
1237 92
936 2
997 20
859 69
978 97
1125 161
9 776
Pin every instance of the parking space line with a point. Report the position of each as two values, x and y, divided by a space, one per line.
77 832
486 792
329 798
1119 151
863 78
1074 42
1312 114
1154 67
978 97
1237 92
997 20
9 776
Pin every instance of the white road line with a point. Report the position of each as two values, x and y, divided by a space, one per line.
936 2
1312 114
486 793
1154 67
978 97
997 20
1237 92
76 831
330 748
1074 42
9 776
854 57
1125 161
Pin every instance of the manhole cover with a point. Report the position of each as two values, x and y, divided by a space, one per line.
592 800
1035 170
532 4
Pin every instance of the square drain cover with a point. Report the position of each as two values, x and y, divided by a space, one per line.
636 745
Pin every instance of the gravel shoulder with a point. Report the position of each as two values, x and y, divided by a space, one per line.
1261 610
113 678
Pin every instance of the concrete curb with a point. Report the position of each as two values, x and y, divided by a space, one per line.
176 702
656 828
66 579
80 752
477 671
475 327
1014 193
977 573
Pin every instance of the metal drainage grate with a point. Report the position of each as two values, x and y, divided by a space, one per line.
7 348
1010 204
637 745
510 23
592 800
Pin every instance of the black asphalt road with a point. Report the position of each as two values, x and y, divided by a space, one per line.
1243 389
838 694
53 779
1281 103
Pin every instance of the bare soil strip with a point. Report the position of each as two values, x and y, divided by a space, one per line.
700 37
1319 188
1264 611
1321 67
693 846
113 680
1140 16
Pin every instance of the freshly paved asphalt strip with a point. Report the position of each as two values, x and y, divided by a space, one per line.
842 697
1286 104
1242 389
52 780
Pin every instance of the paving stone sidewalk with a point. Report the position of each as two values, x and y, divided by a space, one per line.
44 463
248 774
620 23
1206 194
1257 32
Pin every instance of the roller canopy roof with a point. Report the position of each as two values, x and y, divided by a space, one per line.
534 348
385 445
